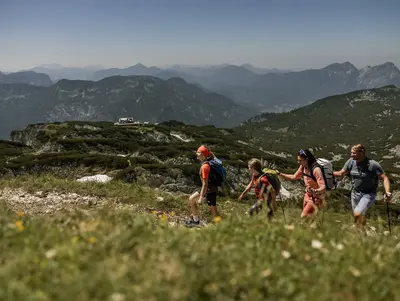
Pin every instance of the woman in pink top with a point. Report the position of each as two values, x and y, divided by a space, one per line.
314 197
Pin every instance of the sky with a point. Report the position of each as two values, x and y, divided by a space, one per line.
271 34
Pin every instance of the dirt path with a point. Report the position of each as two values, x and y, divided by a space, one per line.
43 203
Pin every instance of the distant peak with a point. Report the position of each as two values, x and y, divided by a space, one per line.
139 65
385 68
230 67
51 66
234 68
346 66
389 64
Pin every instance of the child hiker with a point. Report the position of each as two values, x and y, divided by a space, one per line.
210 180
314 197
263 188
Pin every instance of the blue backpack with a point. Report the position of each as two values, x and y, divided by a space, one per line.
217 174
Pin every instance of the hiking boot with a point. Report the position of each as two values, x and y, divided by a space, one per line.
270 214
192 223
255 209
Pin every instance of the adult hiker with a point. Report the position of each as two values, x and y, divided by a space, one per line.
315 192
263 188
365 174
210 181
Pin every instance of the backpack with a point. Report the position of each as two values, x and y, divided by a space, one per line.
217 174
327 172
272 177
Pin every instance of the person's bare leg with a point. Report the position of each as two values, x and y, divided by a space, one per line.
274 204
309 213
193 205
359 220
194 220
214 211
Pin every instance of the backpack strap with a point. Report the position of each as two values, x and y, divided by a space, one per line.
351 165
207 161
354 161
315 165
265 174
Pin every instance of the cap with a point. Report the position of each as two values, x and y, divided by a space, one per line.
204 150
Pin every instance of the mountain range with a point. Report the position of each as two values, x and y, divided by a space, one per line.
145 98
271 90
57 72
26 77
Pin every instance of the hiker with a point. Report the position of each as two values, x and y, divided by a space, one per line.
365 174
263 189
314 197
209 187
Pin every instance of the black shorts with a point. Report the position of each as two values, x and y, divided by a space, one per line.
211 198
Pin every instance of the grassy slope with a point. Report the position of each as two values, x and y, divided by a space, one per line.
329 122
111 254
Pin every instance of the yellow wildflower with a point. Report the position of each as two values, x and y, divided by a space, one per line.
19 225
217 219
92 240
20 214
164 217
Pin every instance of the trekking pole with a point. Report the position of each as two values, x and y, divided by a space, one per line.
388 214
283 211
323 213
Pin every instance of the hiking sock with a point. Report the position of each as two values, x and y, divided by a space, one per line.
196 218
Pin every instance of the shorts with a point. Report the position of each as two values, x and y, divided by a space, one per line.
211 199
361 201
310 204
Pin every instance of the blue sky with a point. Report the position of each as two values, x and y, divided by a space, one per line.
281 34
